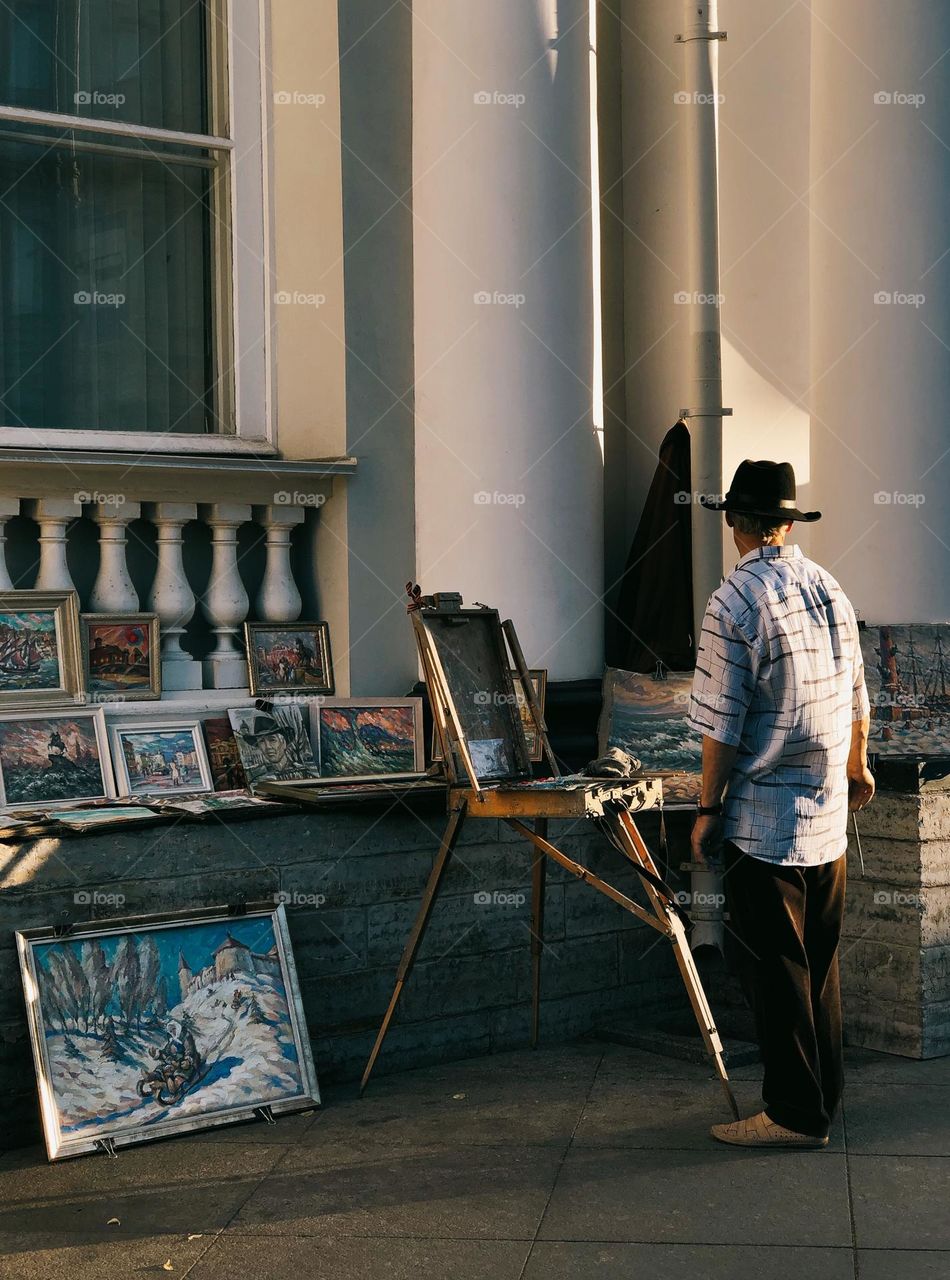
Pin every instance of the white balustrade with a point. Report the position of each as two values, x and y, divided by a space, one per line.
113 590
54 515
8 507
225 602
278 599
171 596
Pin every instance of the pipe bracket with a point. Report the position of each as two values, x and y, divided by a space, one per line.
706 413
705 35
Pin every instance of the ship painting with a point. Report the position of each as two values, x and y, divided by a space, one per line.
907 669
29 656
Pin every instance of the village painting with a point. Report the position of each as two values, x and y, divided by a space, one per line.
160 760
366 739
29 651
907 671
148 1027
45 758
121 655
294 658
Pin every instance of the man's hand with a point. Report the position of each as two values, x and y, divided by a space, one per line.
706 839
860 787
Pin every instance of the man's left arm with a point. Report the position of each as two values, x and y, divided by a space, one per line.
860 777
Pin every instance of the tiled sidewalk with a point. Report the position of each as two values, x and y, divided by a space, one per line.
587 1160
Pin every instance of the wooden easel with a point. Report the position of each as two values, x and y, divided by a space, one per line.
514 799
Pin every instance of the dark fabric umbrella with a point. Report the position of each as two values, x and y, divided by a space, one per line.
655 603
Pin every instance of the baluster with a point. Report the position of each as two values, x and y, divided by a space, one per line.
54 515
171 596
113 590
8 507
278 599
225 603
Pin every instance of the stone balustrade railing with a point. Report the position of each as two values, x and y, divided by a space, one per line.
111 491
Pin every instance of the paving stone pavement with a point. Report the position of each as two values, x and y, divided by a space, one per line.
573 1162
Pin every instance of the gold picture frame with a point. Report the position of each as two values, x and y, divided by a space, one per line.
288 657
40 653
105 679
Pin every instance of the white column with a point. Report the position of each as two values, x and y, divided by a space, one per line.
225 603
113 590
880 333
8 507
171 596
54 516
278 599
509 471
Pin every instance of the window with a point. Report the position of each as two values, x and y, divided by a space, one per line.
120 176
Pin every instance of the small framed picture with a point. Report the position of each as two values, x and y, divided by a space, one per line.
53 757
40 661
121 654
227 772
367 738
152 1026
539 681
160 758
291 657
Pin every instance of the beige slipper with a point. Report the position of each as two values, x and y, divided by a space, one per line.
760 1131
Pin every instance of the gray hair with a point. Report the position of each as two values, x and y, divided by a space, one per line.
757 526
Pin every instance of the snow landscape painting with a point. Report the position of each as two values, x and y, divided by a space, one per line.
156 1028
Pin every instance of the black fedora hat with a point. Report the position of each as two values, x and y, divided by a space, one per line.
763 489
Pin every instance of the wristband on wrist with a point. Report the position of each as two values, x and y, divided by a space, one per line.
709 810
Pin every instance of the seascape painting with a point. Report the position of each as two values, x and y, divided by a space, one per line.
29 651
145 1030
121 655
907 671
288 659
366 738
647 718
160 760
45 758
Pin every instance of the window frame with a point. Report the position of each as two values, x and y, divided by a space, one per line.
242 251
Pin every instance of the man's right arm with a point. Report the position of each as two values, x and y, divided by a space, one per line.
860 778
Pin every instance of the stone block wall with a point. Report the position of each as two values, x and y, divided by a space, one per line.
352 880
895 952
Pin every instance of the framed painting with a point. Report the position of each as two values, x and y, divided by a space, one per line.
49 758
366 738
907 671
273 742
40 662
539 680
227 772
160 758
159 1025
121 655
647 717
289 657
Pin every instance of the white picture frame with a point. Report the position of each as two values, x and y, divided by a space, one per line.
160 757
331 756
63 756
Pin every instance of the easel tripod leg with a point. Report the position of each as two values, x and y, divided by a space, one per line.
449 840
633 845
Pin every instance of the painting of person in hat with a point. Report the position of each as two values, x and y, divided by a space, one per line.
780 700
271 742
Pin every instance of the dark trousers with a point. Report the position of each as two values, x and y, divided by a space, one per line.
786 923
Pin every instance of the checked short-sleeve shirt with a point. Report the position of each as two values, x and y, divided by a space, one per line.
779 674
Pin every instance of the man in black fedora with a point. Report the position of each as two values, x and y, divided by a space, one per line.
780 699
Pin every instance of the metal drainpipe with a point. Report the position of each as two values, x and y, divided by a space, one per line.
704 412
